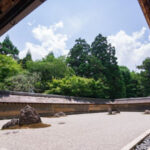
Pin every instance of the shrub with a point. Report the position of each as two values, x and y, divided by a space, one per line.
22 82
78 86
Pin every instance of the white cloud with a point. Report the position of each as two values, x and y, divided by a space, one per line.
130 50
30 23
49 40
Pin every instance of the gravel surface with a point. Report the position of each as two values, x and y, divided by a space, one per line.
144 145
97 131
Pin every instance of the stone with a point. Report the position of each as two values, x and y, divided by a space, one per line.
147 112
60 114
28 115
109 111
12 123
116 110
113 111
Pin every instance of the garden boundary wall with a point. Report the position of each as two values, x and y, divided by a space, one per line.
47 105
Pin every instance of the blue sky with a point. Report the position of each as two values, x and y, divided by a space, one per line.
55 25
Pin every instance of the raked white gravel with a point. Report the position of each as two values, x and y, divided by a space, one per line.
97 131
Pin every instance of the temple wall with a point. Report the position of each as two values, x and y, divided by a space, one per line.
10 104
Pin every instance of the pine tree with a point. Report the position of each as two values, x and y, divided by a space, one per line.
8 48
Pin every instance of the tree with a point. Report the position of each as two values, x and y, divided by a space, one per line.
94 68
50 57
49 68
8 48
105 53
8 67
135 87
78 57
98 62
125 72
24 61
145 75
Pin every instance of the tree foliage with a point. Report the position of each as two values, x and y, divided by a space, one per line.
104 52
78 86
22 82
48 68
25 60
145 76
8 67
8 48
97 61
78 57
87 71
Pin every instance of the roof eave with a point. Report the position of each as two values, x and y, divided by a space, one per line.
146 10
20 16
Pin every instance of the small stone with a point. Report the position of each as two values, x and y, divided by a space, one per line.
114 113
12 123
117 110
61 123
109 111
147 112
60 114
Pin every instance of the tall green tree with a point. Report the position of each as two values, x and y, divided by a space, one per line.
78 57
8 48
104 52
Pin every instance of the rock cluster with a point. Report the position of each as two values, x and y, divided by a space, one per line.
27 116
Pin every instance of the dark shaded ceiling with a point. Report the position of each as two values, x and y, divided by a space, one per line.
12 11
145 5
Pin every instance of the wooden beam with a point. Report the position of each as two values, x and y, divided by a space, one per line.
145 5
17 13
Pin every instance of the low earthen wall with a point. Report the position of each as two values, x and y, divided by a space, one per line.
9 110
10 107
